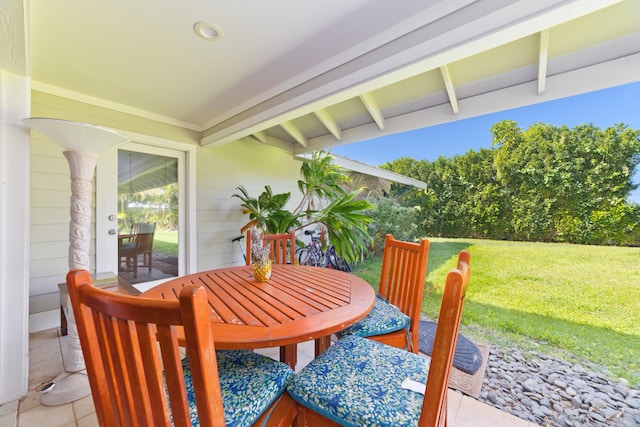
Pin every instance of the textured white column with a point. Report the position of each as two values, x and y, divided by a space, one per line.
82 142
82 166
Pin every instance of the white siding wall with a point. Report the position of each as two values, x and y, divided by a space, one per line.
50 193
220 170
218 216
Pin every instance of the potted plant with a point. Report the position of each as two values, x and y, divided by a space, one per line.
324 202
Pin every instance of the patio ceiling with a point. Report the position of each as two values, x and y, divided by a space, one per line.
304 76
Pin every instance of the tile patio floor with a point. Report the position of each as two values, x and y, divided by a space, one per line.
46 362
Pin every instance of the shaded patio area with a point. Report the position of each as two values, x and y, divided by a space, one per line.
46 363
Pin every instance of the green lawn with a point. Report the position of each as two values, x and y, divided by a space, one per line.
166 242
577 301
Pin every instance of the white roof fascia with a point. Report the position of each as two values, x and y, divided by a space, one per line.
364 168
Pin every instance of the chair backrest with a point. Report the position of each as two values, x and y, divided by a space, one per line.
131 348
282 247
404 269
434 405
144 236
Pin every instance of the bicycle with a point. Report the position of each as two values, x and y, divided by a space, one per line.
237 239
313 255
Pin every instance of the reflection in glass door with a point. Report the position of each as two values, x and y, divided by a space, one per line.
147 216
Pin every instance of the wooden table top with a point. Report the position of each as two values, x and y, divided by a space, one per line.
298 303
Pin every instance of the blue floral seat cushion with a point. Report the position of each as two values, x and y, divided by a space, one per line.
249 383
383 318
358 382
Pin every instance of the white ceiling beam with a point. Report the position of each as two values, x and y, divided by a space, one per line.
542 61
329 123
260 136
374 110
514 21
273 142
295 133
451 90
618 72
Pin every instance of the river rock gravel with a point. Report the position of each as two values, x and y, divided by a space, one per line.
549 391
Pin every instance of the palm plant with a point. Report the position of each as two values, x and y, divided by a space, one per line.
267 211
324 202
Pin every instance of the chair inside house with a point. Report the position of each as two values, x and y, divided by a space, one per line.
282 247
138 375
395 317
359 381
140 249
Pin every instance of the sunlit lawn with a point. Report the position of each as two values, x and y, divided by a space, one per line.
166 242
584 300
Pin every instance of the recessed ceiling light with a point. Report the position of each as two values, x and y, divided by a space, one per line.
207 31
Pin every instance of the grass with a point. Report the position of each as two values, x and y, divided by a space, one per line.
166 242
574 301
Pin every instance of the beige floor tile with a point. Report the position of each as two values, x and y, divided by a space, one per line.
472 413
46 363
303 360
9 419
307 348
9 407
89 421
43 342
45 371
83 407
49 416
454 400
45 353
272 352
30 401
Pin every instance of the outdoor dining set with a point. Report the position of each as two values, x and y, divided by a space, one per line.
181 353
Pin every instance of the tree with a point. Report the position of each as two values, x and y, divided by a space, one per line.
559 178
545 183
374 187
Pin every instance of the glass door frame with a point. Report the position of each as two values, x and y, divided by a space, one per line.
106 223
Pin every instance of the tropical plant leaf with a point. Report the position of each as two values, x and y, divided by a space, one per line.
324 201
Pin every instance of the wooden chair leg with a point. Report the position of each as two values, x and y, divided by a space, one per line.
322 344
135 266
289 355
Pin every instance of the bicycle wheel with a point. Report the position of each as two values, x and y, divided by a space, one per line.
307 257
337 262
332 258
344 265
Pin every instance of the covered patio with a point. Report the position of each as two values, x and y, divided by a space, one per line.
46 362
237 93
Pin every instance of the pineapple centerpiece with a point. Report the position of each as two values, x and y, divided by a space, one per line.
260 257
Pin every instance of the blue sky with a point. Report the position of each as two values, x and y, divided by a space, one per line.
602 108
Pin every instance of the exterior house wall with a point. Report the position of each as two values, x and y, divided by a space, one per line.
50 194
219 170
14 232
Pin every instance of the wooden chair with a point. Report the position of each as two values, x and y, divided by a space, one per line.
395 317
359 381
139 378
282 247
142 244
282 250
128 239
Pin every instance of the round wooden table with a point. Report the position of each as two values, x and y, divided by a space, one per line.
298 303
